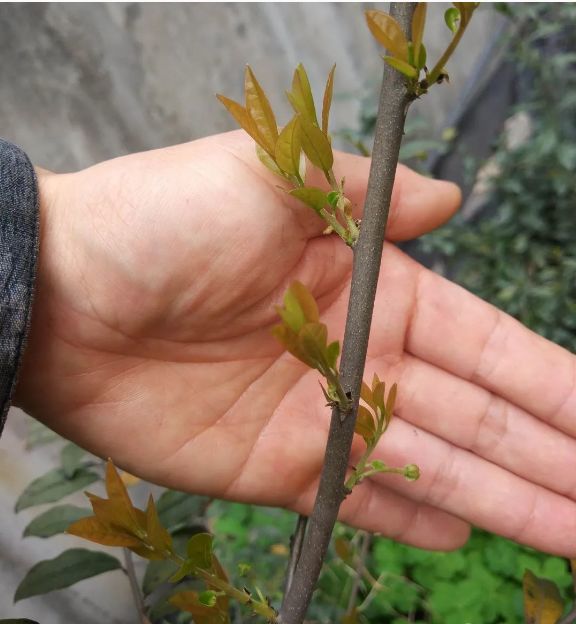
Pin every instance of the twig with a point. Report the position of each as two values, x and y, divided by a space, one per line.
295 550
366 539
394 101
135 588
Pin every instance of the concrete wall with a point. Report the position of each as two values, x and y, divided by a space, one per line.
85 82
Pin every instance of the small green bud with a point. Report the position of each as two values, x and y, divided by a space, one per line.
411 472
207 598
244 569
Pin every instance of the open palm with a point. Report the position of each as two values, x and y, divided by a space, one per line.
151 344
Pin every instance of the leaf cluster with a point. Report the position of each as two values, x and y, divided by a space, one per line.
409 57
303 335
116 522
284 150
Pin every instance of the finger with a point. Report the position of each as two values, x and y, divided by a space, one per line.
474 419
378 509
468 337
486 495
418 204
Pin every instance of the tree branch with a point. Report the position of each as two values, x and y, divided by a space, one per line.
295 550
393 105
134 587
365 540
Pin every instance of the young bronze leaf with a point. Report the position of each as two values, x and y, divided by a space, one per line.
95 531
260 111
301 97
391 400
402 67
327 101
366 395
316 146
542 601
289 147
267 160
343 549
189 601
158 536
388 33
242 117
306 301
311 196
313 337
378 391
418 22
119 500
365 424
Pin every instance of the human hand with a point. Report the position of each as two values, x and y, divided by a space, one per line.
150 344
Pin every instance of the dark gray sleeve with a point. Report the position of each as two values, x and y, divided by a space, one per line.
19 233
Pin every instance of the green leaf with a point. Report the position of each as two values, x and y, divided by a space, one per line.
388 33
267 160
292 313
418 23
452 18
260 111
53 486
55 520
39 435
289 147
332 353
421 58
178 508
327 100
402 67
311 196
71 459
333 197
316 146
301 97
68 568
199 550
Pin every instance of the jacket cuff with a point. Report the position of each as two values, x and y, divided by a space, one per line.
19 236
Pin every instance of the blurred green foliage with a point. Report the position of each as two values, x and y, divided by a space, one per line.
520 253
